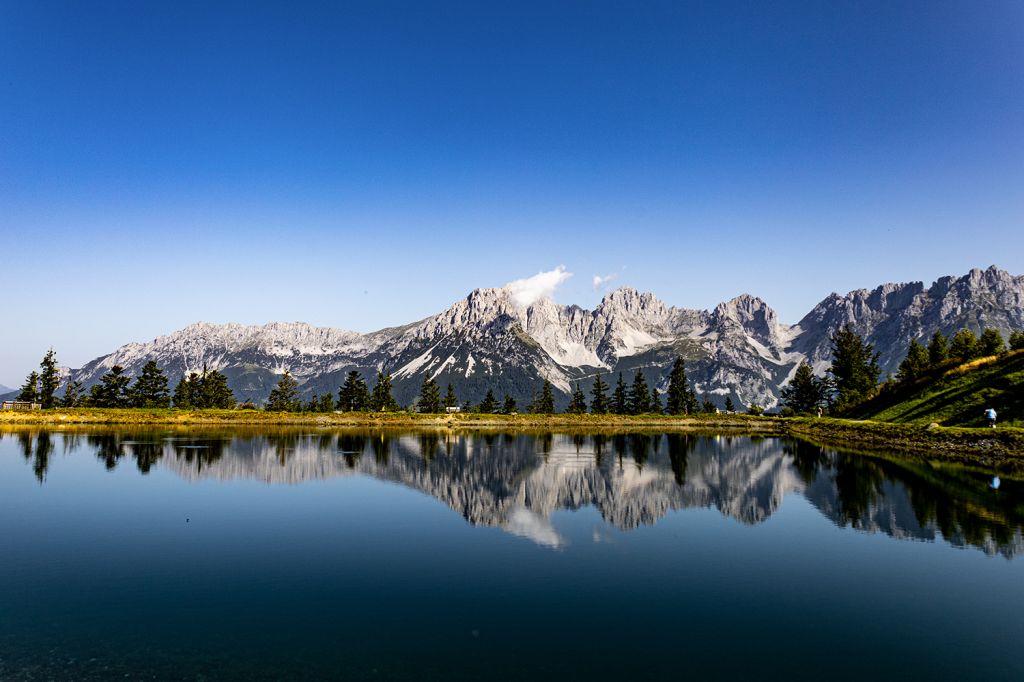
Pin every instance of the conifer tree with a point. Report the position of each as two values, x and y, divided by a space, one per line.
964 346
708 407
938 349
545 402
30 389
214 392
679 399
1017 340
489 405
915 364
729 406
112 391
510 405
805 392
49 380
186 393
578 404
991 343
854 369
325 404
639 395
381 399
450 400
72 394
620 399
467 406
599 396
354 396
150 388
430 397
285 396
655 405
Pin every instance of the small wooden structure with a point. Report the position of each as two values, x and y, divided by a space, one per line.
19 405
453 410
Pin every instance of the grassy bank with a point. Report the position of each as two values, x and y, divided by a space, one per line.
146 417
1001 448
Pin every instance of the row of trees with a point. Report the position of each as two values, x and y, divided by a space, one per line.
209 389
963 347
116 389
634 399
854 374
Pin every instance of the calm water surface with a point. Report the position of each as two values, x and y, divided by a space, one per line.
200 555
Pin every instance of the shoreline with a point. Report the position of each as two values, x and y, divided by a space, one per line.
1001 448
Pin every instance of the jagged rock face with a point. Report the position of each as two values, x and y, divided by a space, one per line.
489 341
891 315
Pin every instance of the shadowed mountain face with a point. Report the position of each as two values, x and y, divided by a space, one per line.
516 481
488 340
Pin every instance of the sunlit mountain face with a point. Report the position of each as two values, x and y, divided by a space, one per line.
517 481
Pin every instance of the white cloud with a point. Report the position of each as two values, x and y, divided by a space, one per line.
600 280
542 285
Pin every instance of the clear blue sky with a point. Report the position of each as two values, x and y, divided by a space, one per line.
365 164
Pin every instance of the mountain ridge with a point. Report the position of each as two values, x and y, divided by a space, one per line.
490 340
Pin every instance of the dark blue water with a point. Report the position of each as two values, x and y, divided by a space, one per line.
194 555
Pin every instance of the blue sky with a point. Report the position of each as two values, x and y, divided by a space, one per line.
365 164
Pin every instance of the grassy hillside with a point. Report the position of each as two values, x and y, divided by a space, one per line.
956 396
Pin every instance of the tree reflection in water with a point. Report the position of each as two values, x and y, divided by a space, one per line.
491 478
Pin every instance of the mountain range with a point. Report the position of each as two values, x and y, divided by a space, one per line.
490 340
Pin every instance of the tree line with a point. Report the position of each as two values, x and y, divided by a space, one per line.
206 390
209 390
854 374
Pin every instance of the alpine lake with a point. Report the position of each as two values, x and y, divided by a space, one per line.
267 554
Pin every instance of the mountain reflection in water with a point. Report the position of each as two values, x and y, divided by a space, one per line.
515 481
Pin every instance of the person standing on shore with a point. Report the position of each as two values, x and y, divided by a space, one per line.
990 414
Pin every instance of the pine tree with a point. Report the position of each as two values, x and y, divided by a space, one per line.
991 343
545 404
150 388
381 399
214 392
708 407
489 405
639 395
679 399
112 391
467 406
599 396
430 397
354 396
510 406
915 364
729 406
578 404
450 400
656 407
285 396
72 394
30 389
938 349
325 404
186 393
620 401
805 393
1017 340
49 380
854 369
964 346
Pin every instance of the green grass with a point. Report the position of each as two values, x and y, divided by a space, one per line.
956 396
